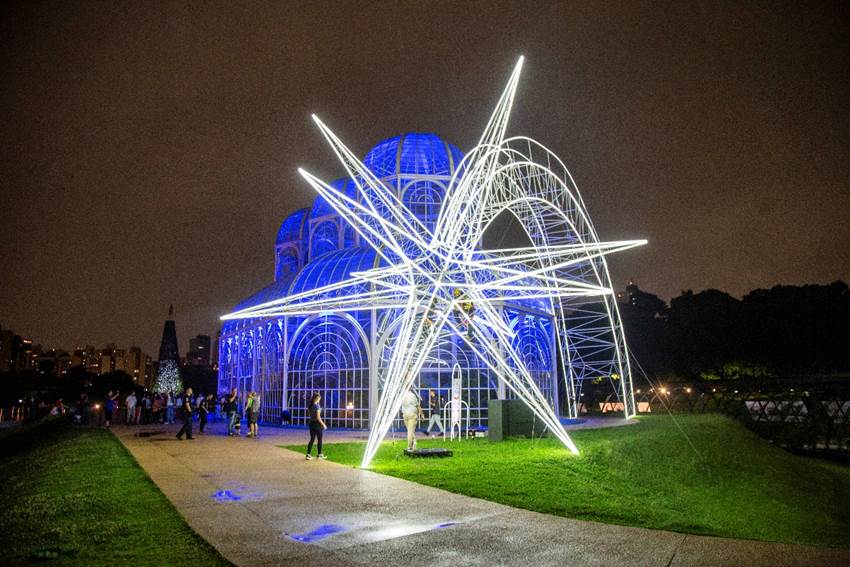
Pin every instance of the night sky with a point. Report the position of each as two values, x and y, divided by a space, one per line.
150 149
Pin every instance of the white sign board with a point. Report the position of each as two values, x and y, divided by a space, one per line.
456 400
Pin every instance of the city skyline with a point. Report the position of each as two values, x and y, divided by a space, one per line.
103 341
137 170
20 352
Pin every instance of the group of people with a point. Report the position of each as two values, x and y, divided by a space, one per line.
230 409
411 412
161 408
147 409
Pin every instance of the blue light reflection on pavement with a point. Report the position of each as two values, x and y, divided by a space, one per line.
231 495
321 532
226 496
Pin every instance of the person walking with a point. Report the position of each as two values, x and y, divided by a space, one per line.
83 409
109 407
147 404
435 405
203 410
157 409
169 409
130 402
252 411
187 416
411 411
231 402
317 427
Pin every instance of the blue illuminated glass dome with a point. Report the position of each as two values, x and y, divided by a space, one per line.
413 153
334 267
293 228
321 207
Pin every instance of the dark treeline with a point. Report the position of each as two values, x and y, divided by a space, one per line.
69 386
782 331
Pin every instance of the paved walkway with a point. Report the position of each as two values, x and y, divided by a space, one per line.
262 505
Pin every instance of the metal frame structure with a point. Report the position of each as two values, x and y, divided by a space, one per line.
424 267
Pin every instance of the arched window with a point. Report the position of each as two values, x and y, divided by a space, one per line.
226 366
328 356
324 239
423 199
271 382
287 262
532 343
246 364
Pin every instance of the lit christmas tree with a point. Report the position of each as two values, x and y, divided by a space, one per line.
168 376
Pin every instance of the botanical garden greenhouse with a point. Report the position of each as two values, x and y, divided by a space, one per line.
341 354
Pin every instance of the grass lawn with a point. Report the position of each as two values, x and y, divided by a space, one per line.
75 496
737 485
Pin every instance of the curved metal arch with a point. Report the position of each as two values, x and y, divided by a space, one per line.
585 235
346 316
562 337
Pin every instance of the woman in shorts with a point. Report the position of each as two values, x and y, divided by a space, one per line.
252 409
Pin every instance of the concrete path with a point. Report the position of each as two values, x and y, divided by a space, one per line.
262 505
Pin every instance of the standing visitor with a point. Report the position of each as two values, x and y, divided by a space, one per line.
58 408
187 416
83 409
157 409
31 409
169 409
249 411
411 411
435 404
147 405
232 401
203 410
110 407
223 405
254 415
317 427
130 402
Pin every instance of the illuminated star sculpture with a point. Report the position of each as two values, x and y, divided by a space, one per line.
433 277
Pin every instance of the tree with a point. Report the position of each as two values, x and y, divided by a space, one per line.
168 378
